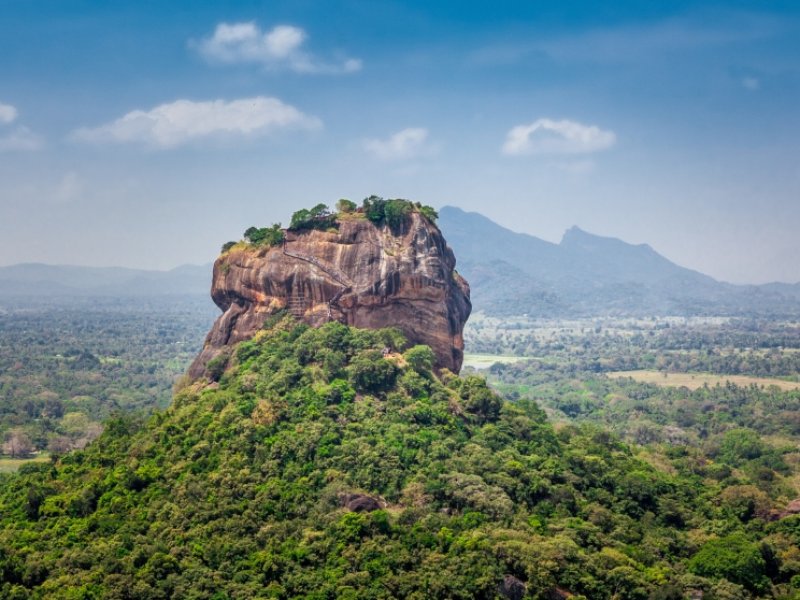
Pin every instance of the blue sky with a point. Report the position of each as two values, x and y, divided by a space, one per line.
148 133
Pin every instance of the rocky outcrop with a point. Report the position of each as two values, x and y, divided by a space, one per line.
361 502
360 274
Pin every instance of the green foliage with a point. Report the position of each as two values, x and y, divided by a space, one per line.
318 217
265 236
216 366
428 212
394 212
228 245
740 436
240 490
739 445
733 557
420 358
477 399
369 372
373 207
346 206
65 368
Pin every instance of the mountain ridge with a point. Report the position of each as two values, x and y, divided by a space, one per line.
76 280
584 274
587 274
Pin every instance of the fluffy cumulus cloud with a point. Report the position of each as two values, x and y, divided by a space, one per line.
405 144
8 113
546 136
183 121
282 47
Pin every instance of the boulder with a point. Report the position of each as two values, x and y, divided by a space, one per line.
359 274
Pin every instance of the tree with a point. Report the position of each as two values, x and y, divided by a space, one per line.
428 212
318 217
18 444
395 212
477 399
733 557
420 358
320 211
373 208
268 236
346 206
254 235
370 372
739 445
300 219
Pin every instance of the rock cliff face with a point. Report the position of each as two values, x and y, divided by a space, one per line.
361 275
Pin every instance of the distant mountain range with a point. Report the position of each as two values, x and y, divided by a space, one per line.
33 279
586 274
509 273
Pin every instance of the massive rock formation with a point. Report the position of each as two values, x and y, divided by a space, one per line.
361 275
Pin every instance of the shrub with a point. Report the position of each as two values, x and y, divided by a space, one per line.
319 217
733 557
420 358
477 399
346 206
371 373
395 212
428 212
266 236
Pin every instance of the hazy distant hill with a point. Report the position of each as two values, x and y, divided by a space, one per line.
586 274
52 280
509 273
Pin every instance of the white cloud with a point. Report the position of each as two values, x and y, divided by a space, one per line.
545 136
279 48
751 83
182 121
8 113
20 139
408 143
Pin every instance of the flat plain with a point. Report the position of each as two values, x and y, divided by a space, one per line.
693 381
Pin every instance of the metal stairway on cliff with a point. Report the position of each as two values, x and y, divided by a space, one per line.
297 305
337 275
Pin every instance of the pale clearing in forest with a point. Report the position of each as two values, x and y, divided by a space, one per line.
697 380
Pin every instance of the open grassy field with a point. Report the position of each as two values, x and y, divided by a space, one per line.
10 465
696 380
484 361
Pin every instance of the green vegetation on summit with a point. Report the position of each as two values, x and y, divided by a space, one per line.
392 212
334 463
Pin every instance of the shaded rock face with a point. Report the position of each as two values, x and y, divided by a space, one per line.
361 275
360 502
512 588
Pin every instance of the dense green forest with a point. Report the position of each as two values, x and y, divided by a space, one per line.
318 467
68 364
758 347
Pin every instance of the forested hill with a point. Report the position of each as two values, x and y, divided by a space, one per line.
318 466
589 275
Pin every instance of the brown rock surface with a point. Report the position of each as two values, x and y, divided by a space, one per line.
361 275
